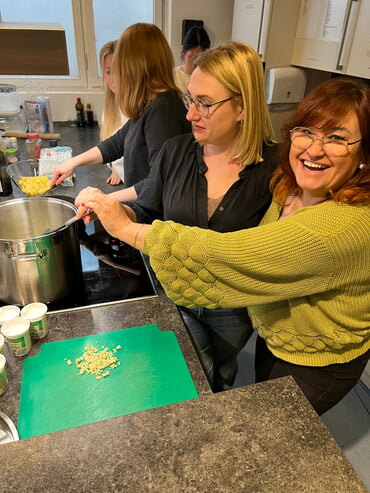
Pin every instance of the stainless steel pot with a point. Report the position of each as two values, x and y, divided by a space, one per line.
36 267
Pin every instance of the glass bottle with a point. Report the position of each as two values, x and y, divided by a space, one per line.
5 181
89 115
33 146
80 112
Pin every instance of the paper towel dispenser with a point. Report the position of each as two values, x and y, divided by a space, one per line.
284 85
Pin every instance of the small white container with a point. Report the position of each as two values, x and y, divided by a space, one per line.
2 344
17 335
8 312
35 313
3 375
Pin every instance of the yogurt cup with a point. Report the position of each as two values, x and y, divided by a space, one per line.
2 344
17 335
35 313
8 312
3 375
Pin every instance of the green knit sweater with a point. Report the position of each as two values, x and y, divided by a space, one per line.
305 279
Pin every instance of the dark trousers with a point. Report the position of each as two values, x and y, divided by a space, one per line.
323 386
218 337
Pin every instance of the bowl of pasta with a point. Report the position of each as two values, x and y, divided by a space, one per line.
27 178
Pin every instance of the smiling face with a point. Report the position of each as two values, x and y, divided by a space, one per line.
221 127
315 172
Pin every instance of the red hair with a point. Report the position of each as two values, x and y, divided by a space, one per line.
323 108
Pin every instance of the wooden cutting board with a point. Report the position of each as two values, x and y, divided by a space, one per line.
152 373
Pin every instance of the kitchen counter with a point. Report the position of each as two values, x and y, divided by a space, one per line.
260 438
263 438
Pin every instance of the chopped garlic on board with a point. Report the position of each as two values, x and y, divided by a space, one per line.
95 362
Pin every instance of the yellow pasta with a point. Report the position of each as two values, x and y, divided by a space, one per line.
34 185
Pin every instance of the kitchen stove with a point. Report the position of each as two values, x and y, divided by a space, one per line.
112 272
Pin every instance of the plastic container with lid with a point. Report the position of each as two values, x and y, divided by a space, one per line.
36 314
17 335
2 343
8 312
12 116
3 375
11 155
9 98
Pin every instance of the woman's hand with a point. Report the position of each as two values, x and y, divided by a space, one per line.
81 199
114 179
62 171
110 211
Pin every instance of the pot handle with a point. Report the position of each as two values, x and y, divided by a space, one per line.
26 256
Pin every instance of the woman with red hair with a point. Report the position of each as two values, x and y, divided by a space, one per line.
304 271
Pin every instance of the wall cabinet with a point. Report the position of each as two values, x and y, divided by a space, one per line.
268 26
334 36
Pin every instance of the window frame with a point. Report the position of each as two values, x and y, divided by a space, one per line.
84 35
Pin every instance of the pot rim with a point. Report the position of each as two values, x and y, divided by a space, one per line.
11 202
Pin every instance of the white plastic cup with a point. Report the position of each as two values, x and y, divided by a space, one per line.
17 335
35 313
3 375
8 312
2 344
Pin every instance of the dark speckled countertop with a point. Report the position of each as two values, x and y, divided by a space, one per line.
263 438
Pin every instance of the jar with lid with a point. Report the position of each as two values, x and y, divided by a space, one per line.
11 151
33 146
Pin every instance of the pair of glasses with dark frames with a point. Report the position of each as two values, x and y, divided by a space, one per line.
201 107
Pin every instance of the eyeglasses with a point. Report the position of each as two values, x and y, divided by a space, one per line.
202 108
334 145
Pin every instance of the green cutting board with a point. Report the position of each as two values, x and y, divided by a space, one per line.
152 373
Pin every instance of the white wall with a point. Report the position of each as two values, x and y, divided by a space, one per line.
217 17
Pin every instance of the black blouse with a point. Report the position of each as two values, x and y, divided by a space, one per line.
176 189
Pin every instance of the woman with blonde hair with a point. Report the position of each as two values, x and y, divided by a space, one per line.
146 93
113 119
217 178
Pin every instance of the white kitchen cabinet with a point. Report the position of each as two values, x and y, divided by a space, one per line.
334 36
268 26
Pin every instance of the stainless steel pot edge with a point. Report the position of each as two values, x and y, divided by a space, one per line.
11 202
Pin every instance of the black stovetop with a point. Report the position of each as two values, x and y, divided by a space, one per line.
112 272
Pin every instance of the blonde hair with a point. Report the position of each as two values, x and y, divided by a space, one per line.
112 119
142 67
239 69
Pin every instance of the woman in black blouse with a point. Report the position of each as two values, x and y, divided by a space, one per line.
217 178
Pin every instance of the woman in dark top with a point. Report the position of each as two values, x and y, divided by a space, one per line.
146 93
217 178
